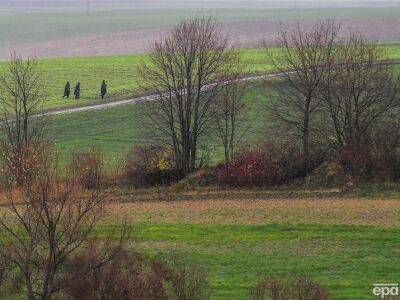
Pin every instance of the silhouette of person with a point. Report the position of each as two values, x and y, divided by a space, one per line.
77 91
103 89
67 90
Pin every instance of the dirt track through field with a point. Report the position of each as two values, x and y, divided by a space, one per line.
154 97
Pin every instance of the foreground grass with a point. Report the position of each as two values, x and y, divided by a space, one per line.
346 244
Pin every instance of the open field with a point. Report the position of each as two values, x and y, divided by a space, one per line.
124 28
116 130
121 74
345 243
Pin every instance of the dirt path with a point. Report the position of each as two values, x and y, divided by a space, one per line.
154 97
133 100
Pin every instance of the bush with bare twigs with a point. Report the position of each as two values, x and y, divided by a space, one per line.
45 221
88 168
289 289
148 166
130 275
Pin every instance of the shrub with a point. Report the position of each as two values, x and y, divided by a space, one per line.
187 282
385 150
356 159
148 166
267 165
250 168
289 289
22 164
123 277
129 275
87 166
292 163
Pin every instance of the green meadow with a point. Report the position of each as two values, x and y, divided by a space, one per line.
346 259
243 235
116 130
121 74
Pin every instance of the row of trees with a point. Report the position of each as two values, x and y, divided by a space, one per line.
335 91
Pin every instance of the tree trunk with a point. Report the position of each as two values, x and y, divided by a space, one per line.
306 140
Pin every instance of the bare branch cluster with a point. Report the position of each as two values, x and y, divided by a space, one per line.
46 219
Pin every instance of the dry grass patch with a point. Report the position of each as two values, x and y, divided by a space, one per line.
325 211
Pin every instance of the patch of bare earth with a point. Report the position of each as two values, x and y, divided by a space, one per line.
242 33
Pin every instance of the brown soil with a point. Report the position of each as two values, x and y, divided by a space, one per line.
243 34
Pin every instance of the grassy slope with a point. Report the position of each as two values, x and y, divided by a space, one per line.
116 130
121 74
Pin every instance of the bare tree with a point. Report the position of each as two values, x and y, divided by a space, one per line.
180 72
359 91
20 95
230 113
303 59
45 221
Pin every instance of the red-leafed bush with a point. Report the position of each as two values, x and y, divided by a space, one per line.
266 166
356 159
376 156
250 168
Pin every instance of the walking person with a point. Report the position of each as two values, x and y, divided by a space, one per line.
103 89
77 91
67 90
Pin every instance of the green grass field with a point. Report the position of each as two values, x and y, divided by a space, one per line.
335 241
346 259
116 130
121 73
